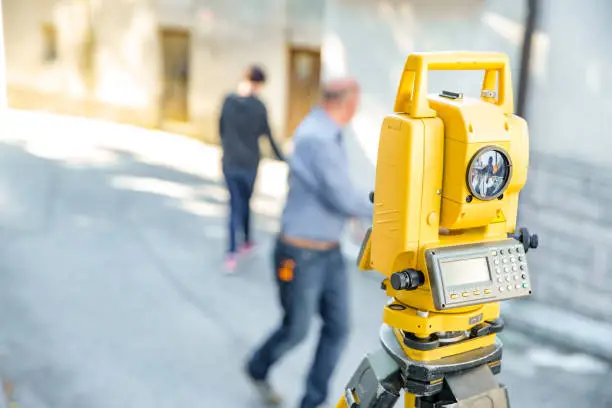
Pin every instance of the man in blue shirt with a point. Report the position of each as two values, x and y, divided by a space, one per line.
309 267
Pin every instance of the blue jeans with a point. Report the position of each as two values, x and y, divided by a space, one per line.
319 284
240 183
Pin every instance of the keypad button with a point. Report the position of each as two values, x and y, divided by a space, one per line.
518 286
501 288
505 260
510 250
514 268
465 294
496 262
501 251
516 277
507 279
525 285
523 267
487 291
500 280
494 253
506 269
497 270
476 292
512 259
509 287
520 258
454 296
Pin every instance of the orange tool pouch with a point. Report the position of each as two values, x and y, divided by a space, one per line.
285 271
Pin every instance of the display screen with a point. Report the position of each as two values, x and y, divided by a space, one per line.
465 271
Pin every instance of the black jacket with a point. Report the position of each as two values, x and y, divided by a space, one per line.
244 119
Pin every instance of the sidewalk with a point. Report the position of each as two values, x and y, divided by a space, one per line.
563 328
112 294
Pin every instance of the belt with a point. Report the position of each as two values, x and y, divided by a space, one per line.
308 244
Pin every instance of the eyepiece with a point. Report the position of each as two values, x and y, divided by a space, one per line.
407 280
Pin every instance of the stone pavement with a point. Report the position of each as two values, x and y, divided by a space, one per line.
111 293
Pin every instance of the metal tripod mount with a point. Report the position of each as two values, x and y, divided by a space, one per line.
460 381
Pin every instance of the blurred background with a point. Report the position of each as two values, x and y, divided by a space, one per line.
112 206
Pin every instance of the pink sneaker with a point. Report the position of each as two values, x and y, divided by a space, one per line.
247 248
230 264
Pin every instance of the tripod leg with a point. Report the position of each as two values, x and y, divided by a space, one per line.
376 383
410 400
476 387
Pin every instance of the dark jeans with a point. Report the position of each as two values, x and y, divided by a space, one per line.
320 284
240 183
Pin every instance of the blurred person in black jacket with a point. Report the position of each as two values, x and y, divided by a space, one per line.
243 120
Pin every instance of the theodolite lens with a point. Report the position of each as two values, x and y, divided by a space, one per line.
489 173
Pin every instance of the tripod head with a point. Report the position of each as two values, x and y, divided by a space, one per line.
448 177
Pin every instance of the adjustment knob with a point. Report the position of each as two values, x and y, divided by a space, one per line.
407 280
528 240
372 197
533 242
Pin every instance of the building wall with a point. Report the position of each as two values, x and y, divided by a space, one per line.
226 41
225 36
116 82
305 26
568 185
3 95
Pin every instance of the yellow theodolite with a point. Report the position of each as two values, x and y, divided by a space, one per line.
448 177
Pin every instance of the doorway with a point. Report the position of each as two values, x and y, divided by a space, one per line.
175 46
304 84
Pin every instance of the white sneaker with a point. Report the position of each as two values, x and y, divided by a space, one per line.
265 391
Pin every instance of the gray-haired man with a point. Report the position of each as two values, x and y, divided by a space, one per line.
309 267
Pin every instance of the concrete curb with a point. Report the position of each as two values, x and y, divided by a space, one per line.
560 327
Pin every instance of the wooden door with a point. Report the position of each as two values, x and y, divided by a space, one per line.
304 84
175 53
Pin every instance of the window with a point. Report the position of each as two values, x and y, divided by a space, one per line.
49 42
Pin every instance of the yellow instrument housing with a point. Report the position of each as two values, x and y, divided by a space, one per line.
425 150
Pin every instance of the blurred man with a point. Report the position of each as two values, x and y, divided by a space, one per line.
309 266
244 119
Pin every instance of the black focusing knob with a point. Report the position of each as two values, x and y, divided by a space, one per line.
534 241
372 197
407 280
529 241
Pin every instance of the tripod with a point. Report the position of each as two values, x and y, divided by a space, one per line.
464 380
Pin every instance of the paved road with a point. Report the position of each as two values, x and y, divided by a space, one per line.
111 293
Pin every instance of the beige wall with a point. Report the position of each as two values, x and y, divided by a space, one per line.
3 96
306 22
225 37
227 40
24 47
124 34
127 56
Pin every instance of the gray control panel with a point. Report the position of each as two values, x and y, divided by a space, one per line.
473 274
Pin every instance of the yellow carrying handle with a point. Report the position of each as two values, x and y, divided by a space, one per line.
412 92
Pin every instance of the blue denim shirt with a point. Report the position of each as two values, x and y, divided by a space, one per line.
321 196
